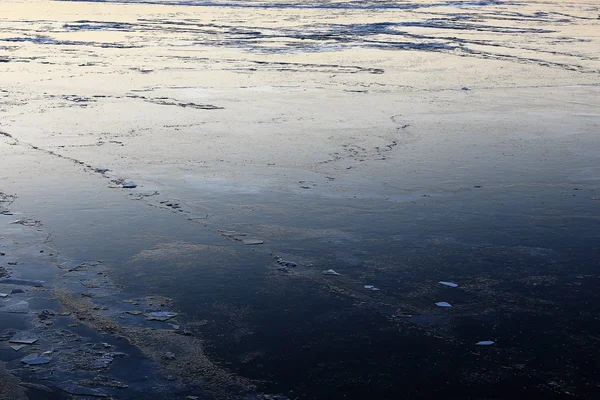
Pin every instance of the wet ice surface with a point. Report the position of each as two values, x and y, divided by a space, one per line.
396 144
44 344
50 343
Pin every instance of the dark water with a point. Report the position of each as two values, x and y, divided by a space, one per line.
525 259
521 283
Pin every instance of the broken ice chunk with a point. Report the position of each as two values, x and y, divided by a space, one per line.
129 185
330 272
81 391
25 282
160 315
24 338
35 359
448 284
231 233
485 343
443 304
16 307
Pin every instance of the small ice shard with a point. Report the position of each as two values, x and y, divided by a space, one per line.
448 284
160 316
101 170
3 295
24 338
485 343
374 289
134 312
252 241
369 286
330 272
443 304
129 185
17 347
35 359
